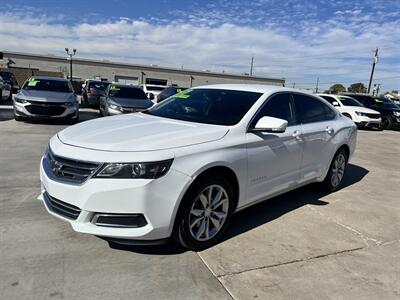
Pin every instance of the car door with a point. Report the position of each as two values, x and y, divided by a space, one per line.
274 159
318 129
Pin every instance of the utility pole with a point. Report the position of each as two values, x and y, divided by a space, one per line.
316 86
191 80
251 66
373 69
142 78
70 61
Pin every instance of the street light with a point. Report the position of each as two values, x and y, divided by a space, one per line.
70 61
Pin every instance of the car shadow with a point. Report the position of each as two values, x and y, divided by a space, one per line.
260 213
276 207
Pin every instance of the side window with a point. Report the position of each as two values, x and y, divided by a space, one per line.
330 114
329 99
278 106
310 109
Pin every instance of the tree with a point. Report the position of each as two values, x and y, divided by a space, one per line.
337 88
357 88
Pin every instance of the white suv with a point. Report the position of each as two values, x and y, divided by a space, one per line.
185 166
351 108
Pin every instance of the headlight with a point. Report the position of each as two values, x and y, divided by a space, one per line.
149 170
396 113
19 100
361 114
115 107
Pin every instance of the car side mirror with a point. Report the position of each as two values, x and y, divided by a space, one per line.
270 124
335 103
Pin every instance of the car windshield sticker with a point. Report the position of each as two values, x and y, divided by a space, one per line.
114 88
183 94
32 81
379 101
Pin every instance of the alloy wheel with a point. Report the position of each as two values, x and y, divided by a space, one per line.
208 213
338 169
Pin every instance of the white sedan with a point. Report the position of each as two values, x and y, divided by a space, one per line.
351 108
185 166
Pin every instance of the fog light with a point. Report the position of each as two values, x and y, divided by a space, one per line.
119 220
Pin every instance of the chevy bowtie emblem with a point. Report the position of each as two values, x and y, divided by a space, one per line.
57 167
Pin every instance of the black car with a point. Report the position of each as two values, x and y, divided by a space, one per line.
121 99
10 79
390 112
92 91
168 92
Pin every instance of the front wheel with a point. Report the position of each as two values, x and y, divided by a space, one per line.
336 171
386 123
206 212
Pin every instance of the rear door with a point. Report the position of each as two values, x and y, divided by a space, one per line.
318 130
274 158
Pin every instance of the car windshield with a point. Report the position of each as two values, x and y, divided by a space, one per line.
98 85
348 101
386 103
126 92
7 77
50 85
155 88
210 106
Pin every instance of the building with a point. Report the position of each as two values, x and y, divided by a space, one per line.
126 72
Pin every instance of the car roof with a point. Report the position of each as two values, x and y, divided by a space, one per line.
126 85
50 78
256 88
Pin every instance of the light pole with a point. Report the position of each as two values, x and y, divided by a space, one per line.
70 61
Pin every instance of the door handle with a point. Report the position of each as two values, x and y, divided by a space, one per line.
297 135
329 130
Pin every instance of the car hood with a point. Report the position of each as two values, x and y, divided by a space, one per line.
44 96
360 109
132 103
139 132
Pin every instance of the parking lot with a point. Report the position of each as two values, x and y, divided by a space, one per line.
306 244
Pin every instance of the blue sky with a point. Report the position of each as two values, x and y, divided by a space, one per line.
295 39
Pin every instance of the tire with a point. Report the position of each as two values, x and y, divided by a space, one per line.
18 118
386 123
334 178
208 224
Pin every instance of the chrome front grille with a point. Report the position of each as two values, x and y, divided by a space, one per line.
68 170
373 116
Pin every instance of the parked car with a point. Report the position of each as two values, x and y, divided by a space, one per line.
152 91
5 90
168 92
351 108
121 99
9 78
43 97
390 112
92 90
182 168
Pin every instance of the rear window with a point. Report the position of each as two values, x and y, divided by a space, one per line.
98 85
50 85
126 92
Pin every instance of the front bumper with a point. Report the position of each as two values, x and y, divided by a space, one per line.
366 122
157 200
22 110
